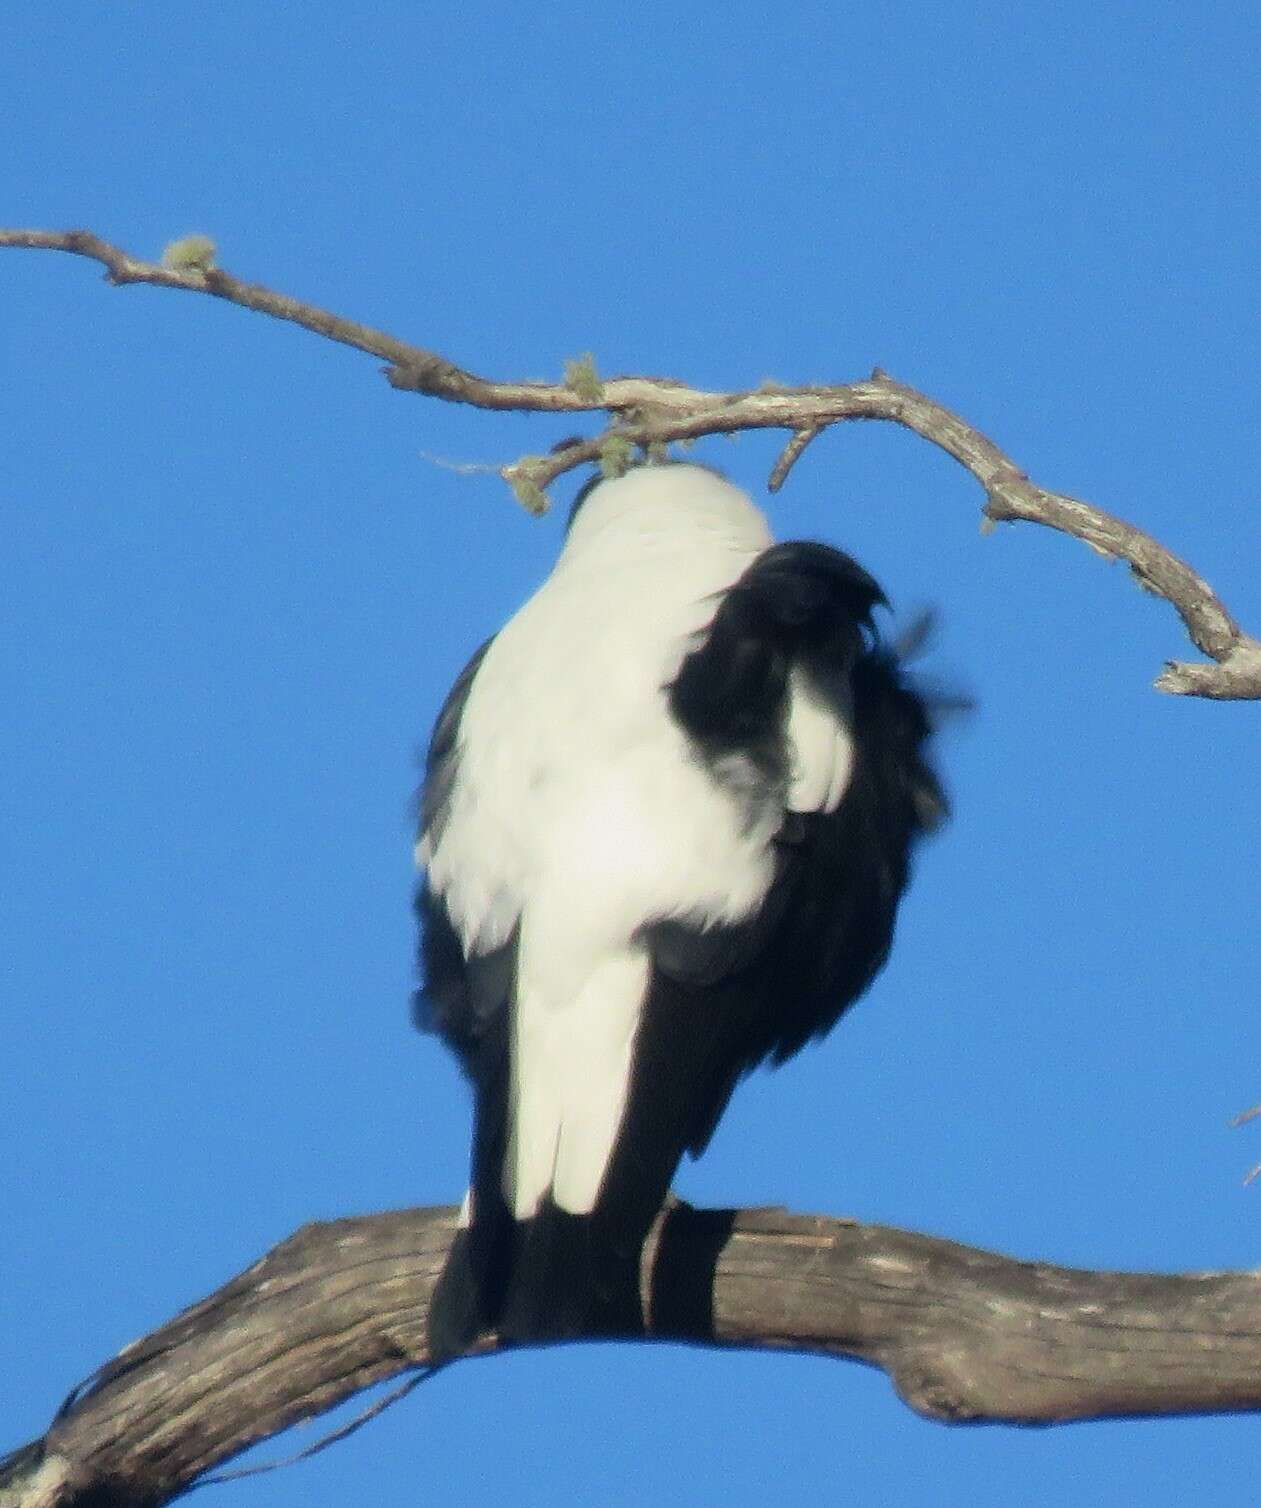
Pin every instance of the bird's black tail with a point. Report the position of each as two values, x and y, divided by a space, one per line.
460 1308
570 1279
554 1277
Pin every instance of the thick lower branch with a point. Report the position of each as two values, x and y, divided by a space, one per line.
964 1334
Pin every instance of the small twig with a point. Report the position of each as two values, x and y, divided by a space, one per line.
334 1436
790 455
649 412
1242 1119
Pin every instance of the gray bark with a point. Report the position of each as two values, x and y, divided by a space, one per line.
963 1334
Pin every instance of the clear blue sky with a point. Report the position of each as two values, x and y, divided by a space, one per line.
236 586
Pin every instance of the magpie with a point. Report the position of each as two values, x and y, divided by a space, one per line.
666 822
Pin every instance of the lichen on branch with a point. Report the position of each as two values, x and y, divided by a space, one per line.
648 413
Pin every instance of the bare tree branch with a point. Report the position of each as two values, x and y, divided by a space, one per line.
654 411
963 1334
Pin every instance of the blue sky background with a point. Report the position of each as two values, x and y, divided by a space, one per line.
235 589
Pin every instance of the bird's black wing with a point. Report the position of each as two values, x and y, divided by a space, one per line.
723 1000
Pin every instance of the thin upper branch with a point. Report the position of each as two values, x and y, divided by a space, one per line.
654 411
963 1335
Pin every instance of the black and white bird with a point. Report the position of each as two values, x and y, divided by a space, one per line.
666 823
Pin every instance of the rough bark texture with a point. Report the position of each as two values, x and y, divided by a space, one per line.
964 1335
648 413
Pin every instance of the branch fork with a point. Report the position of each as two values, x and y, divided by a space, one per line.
648 413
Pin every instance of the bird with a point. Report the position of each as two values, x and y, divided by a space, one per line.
666 821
